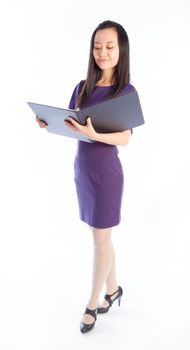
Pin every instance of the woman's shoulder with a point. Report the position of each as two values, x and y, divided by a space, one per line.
76 91
80 85
127 89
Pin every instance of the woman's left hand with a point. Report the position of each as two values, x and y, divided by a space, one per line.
87 130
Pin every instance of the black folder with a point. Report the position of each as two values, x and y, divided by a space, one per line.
117 114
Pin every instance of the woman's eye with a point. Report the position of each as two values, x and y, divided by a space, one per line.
99 48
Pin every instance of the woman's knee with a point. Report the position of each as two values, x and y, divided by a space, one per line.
102 238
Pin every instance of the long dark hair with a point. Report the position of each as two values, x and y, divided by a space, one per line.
122 69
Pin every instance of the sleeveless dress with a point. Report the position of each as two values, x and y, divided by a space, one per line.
98 171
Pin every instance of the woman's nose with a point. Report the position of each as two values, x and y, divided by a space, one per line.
102 52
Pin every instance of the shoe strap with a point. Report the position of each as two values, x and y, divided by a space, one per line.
92 313
107 297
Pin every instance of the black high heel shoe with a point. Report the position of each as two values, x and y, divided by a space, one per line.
84 328
107 297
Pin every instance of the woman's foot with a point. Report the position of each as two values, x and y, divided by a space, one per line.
109 299
105 302
88 320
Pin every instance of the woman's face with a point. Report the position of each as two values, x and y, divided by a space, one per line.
106 49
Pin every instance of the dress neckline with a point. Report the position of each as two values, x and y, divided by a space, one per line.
104 86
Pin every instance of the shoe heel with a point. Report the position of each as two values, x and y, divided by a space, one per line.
119 301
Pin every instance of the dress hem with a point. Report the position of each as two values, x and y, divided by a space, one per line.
100 226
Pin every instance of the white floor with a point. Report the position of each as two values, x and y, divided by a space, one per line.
45 285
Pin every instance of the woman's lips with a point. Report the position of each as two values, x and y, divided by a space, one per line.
102 61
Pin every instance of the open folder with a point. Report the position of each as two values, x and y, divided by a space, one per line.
117 114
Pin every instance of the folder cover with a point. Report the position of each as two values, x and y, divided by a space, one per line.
117 114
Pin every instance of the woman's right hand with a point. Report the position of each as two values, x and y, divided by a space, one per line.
41 123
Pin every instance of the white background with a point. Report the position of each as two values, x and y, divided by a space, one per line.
45 251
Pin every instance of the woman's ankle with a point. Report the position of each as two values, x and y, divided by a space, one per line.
111 289
92 305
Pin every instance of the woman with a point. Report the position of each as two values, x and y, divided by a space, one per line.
98 171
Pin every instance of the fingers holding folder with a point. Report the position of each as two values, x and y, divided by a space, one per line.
41 123
86 130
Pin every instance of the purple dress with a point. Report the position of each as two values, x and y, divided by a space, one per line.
98 172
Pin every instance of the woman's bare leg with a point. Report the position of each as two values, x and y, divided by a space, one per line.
103 257
111 284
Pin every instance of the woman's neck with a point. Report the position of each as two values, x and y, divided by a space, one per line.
104 83
106 79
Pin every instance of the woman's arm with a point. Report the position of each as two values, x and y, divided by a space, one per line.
115 138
